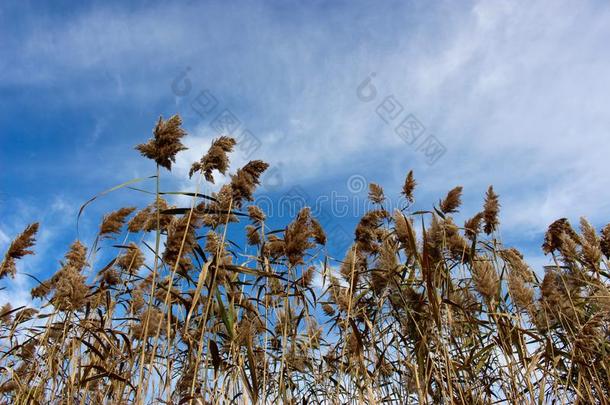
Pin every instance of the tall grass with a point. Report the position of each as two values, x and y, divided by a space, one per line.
420 309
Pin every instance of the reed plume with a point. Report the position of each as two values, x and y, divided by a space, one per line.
490 211
485 278
244 182
605 241
472 226
409 186
554 236
215 159
165 142
452 201
376 193
113 222
17 249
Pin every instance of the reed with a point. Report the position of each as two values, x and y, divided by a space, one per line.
420 310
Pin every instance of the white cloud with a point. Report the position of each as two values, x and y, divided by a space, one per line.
4 239
17 292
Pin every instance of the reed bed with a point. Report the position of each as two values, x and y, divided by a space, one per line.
419 310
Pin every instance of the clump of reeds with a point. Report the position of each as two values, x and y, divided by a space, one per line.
418 310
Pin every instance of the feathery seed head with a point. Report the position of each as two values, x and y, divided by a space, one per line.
605 241
485 278
491 209
216 159
409 186
376 193
17 249
165 143
452 201
113 222
244 182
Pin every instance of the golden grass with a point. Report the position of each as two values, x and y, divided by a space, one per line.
420 310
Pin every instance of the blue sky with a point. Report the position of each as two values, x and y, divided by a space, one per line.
517 92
